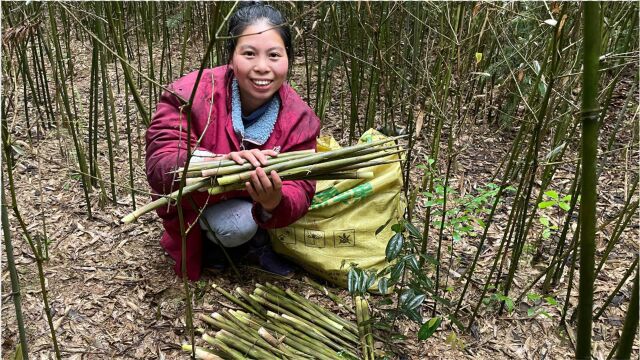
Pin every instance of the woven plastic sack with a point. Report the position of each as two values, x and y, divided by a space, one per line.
340 227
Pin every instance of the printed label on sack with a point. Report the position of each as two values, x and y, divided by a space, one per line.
344 238
314 238
286 235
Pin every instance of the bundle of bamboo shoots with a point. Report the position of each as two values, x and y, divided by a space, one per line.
280 324
227 175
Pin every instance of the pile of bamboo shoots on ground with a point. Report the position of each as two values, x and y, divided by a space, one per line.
226 175
280 324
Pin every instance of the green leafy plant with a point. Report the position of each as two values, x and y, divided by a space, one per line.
554 199
540 305
498 298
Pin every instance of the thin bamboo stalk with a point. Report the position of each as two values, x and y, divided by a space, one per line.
309 164
16 293
201 353
630 326
616 290
232 353
590 112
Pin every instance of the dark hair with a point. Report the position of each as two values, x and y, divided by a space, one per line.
251 12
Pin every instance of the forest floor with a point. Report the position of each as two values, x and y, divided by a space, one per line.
114 295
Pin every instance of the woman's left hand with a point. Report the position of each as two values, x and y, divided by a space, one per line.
267 192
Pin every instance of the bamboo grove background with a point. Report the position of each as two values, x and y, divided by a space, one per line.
86 77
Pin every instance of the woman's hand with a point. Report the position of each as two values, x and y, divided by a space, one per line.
267 192
255 157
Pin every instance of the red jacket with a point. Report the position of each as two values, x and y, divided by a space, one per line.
296 128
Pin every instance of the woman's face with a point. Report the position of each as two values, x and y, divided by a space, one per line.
260 64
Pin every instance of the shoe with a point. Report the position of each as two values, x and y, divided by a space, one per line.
212 256
261 253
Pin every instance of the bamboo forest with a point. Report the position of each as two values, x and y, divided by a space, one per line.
471 193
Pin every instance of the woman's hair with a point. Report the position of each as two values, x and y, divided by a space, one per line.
252 12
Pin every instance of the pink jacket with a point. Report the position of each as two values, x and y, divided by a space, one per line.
296 128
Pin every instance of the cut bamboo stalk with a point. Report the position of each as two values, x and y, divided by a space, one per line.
301 338
307 165
223 323
306 336
279 344
234 299
367 175
223 163
299 311
219 171
304 302
367 326
244 346
256 305
326 292
304 305
361 328
232 353
201 353
158 203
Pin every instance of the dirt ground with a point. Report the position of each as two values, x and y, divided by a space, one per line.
114 294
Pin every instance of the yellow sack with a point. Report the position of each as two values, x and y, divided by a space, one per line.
340 227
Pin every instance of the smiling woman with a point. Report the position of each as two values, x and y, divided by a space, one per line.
243 111
259 64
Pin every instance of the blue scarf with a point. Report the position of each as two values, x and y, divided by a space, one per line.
258 130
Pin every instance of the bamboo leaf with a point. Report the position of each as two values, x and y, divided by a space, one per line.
478 57
546 204
394 246
353 279
564 206
413 231
383 285
429 328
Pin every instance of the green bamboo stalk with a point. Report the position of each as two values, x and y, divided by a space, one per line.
616 290
293 310
310 163
232 353
254 304
201 353
320 311
185 35
590 112
235 300
628 209
268 337
6 147
314 168
16 293
161 202
557 269
215 164
336 299
117 35
244 346
306 311
93 101
630 326
317 332
235 167
362 329
298 340
311 336
60 81
105 114
129 145
219 322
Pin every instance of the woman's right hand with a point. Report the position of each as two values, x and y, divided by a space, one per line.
255 157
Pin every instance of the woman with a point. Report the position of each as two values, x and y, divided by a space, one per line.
246 111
